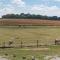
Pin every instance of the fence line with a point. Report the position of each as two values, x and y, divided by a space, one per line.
22 44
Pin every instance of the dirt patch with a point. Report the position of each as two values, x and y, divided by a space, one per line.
52 58
36 49
3 58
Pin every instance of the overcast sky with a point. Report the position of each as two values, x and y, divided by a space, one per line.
42 7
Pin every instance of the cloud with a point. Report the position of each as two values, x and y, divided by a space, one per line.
57 0
18 2
12 6
35 9
45 10
19 6
51 1
7 10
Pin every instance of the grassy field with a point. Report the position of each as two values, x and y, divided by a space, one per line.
45 34
39 54
29 35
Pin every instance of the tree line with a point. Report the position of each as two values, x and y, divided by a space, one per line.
29 16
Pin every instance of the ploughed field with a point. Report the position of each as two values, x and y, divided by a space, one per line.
29 22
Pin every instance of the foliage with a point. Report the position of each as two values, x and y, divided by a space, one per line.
29 16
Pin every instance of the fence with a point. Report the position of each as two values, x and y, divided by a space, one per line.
27 44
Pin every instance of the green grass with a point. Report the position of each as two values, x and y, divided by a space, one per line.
29 35
53 50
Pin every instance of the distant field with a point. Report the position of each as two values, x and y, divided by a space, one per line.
35 22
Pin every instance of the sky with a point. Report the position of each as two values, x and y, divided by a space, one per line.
42 7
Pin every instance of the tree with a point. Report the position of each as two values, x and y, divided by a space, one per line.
29 16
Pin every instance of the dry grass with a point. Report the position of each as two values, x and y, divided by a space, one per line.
29 36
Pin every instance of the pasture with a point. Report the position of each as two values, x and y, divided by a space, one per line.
29 34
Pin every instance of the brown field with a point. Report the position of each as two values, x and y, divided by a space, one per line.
29 22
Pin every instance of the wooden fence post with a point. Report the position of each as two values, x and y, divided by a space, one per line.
3 45
21 44
37 43
55 42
